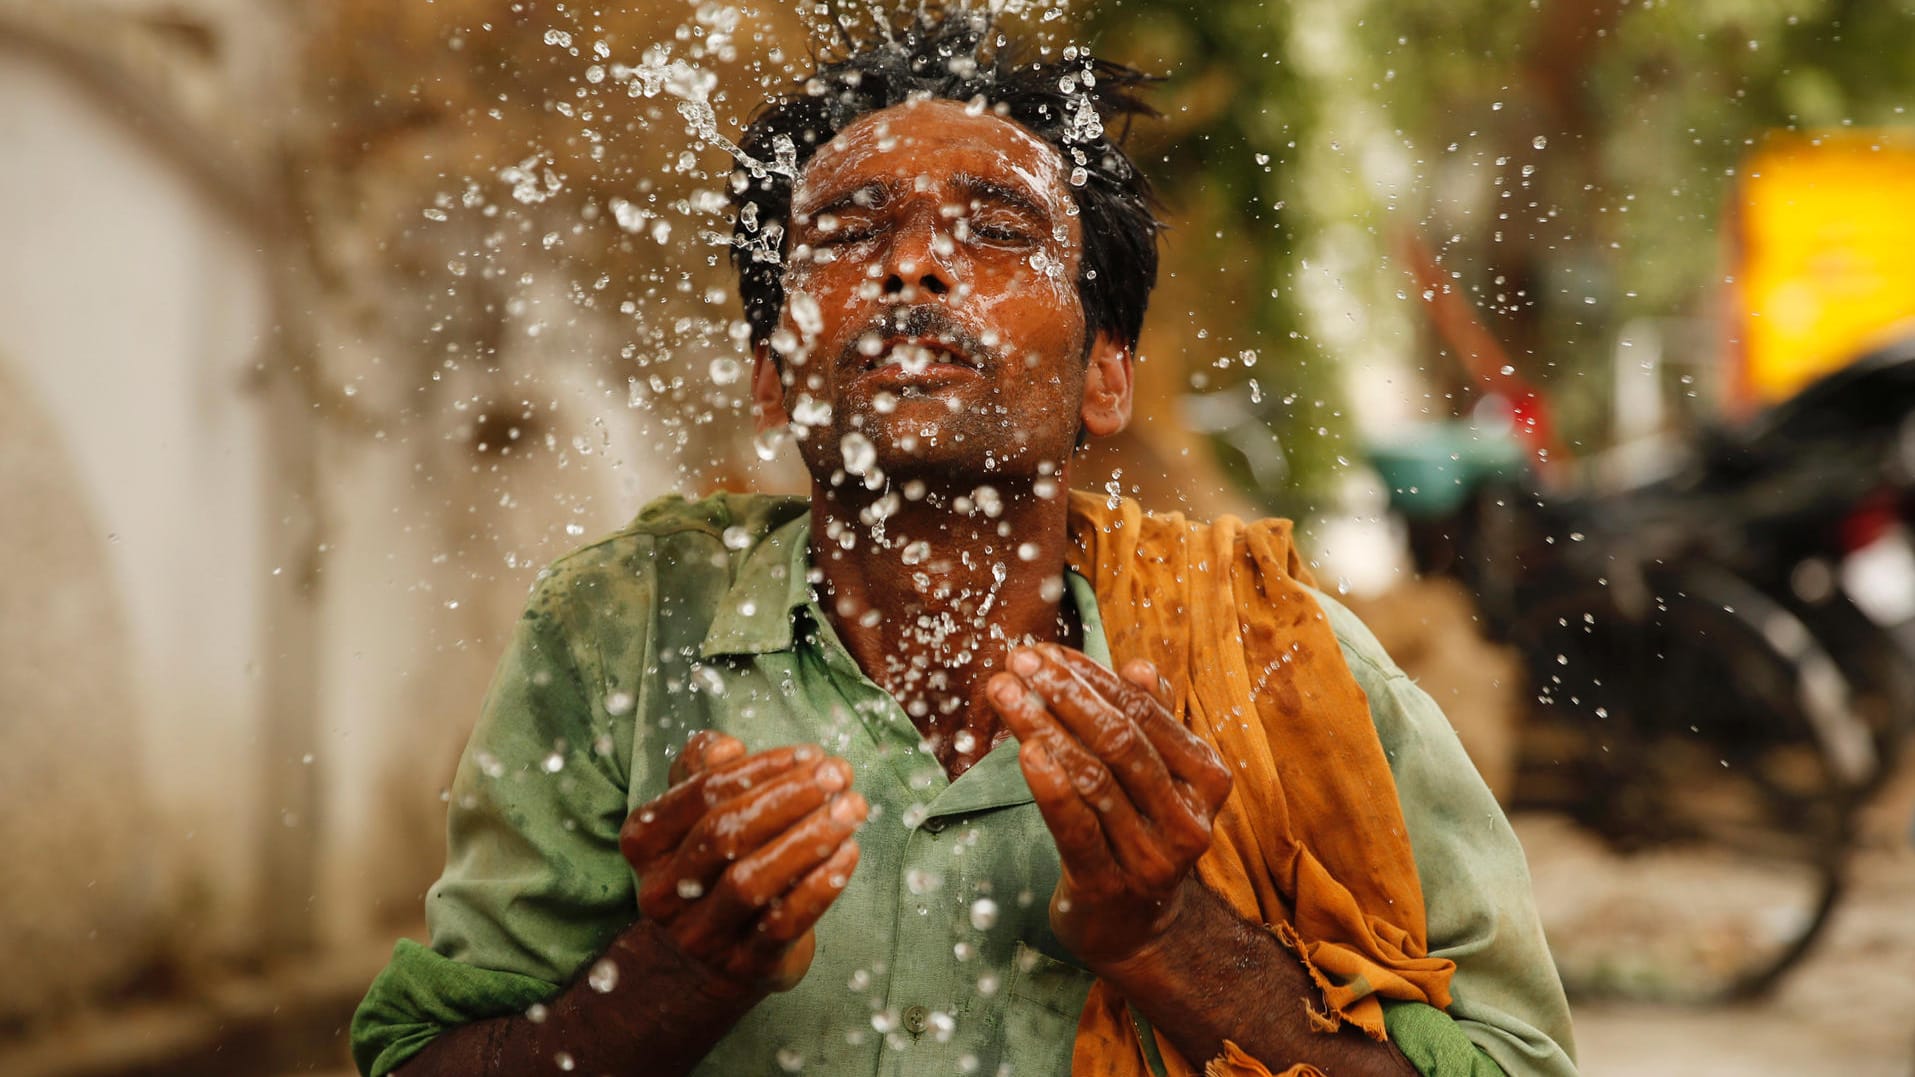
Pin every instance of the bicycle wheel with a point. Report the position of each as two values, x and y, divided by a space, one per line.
1712 808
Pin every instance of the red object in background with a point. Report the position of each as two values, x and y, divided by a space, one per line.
1483 357
1869 521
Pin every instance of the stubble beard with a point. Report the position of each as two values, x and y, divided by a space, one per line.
948 454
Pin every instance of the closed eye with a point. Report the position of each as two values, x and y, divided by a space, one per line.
997 233
833 231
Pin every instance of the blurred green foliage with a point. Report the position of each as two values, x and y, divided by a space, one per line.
1570 161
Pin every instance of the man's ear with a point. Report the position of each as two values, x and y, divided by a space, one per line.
767 391
1108 381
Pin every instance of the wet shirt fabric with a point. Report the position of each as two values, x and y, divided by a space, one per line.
938 958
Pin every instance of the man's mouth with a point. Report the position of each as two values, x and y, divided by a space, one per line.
917 355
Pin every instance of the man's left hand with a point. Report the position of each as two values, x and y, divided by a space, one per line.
1129 794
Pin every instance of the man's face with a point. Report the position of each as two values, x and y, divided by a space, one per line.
931 303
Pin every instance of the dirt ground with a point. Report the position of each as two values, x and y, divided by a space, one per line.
1849 1009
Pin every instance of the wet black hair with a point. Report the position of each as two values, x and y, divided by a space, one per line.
1071 103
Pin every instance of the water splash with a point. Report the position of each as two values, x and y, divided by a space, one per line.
658 72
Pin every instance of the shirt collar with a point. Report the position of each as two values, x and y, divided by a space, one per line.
756 615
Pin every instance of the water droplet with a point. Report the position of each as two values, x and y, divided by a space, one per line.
943 1026
604 976
859 454
983 914
804 310
987 499
767 443
810 411
790 1060
1539 142
709 680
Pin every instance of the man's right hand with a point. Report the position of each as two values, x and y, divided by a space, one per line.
735 864
741 856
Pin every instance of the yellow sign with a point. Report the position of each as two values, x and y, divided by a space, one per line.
1827 254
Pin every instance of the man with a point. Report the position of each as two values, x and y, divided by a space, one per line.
847 785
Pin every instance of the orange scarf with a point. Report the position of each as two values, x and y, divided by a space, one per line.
1311 841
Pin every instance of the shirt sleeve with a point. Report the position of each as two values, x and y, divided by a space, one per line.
534 884
1506 997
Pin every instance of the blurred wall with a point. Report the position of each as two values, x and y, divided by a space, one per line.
132 316
134 472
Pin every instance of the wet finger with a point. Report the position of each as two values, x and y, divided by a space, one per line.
1074 826
1146 823
765 875
1107 731
659 825
735 778
1143 673
1035 725
799 910
1188 756
746 887
736 829
706 749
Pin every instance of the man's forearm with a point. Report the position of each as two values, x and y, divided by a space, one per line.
1214 977
661 1014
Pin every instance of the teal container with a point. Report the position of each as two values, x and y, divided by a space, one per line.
1431 469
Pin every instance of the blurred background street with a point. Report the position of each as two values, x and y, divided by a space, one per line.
1578 336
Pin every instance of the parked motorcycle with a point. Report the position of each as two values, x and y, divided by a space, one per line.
1722 660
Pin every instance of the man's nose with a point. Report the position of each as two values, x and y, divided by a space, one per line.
915 261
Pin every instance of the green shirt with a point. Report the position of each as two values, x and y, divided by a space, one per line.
938 958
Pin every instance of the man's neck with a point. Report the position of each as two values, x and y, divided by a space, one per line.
929 594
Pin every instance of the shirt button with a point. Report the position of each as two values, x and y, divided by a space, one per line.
935 826
916 1019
